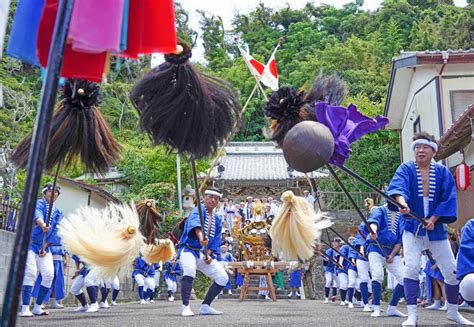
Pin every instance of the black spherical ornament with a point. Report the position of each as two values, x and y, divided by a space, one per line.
308 146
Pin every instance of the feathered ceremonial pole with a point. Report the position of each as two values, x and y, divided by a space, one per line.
259 77
114 230
185 109
78 132
296 228
35 164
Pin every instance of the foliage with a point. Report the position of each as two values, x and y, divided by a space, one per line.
356 44
201 284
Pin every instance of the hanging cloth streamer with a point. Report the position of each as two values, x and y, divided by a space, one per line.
89 66
23 36
150 28
88 31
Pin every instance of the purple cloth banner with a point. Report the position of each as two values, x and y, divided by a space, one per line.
347 125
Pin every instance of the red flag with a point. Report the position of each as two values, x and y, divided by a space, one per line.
267 74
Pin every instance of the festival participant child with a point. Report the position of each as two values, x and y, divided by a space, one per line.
172 270
295 279
140 274
330 270
83 277
387 230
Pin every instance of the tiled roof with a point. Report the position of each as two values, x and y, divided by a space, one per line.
255 161
458 136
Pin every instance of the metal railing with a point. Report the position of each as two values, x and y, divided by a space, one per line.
9 210
330 201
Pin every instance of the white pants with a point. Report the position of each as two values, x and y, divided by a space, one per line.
352 278
150 283
363 271
91 280
171 284
331 279
111 283
77 285
442 253
377 264
214 270
44 265
157 277
343 281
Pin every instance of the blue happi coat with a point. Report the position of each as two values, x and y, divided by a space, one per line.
169 268
189 241
466 251
353 254
389 230
37 234
142 268
407 182
344 250
84 270
361 241
329 265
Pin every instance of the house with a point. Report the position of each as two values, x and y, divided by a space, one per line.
112 180
75 194
433 91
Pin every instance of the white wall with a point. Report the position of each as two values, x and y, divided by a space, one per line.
423 105
73 197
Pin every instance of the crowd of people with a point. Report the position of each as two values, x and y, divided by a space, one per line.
391 239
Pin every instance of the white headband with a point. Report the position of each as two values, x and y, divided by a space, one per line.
425 141
211 192
57 189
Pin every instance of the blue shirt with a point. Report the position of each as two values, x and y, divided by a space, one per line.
329 267
344 250
189 242
84 270
169 267
407 182
37 234
465 260
141 267
389 230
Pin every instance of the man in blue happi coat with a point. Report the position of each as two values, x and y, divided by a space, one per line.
39 257
192 258
428 189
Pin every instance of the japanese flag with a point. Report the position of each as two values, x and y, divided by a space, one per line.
267 74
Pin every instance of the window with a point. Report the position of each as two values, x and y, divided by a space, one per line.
460 101
417 125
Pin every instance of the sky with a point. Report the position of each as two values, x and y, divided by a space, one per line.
226 9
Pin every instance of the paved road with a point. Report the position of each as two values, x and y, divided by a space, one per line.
255 312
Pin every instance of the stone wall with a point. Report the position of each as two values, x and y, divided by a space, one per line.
6 245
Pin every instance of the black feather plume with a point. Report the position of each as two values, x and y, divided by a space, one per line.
283 107
183 108
331 89
78 130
